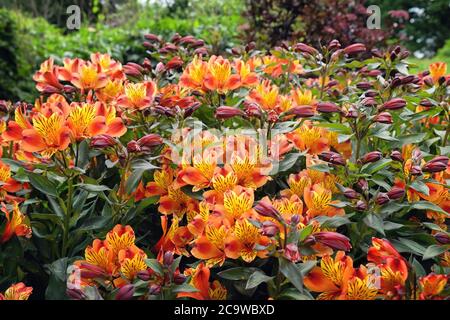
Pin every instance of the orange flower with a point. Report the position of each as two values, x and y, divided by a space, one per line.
248 78
15 223
336 279
381 250
437 70
17 291
194 74
108 66
206 290
47 136
219 76
318 201
138 95
8 184
86 120
266 95
131 260
431 286
47 77
89 76
310 138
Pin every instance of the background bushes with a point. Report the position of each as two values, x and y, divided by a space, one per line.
33 30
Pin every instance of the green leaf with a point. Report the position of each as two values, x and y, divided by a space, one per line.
292 294
43 184
237 273
384 135
256 278
413 246
93 187
292 273
306 231
332 222
287 163
373 167
322 167
155 266
426 205
133 180
433 251
420 186
185 287
375 222
94 223
410 139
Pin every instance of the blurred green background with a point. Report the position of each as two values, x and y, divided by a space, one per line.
33 30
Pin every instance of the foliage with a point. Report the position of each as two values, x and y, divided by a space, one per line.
428 27
300 174
269 22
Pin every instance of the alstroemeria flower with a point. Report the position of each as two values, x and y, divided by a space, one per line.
17 291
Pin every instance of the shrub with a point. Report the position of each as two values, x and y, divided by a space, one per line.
272 21
305 173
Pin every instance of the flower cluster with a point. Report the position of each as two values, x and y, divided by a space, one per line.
203 177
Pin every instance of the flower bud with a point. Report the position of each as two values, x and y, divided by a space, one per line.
369 102
332 157
426 103
144 275
291 252
408 79
327 107
371 93
252 109
394 104
174 63
202 51
102 141
304 48
382 198
442 238
75 294
125 293
154 290
415 171
295 219
269 229
225 112
179 278
428 81
355 48
302 111
333 240
364 85
149 141
437 164
383 117
266 209
133 147
191 109
362 185
396 156
152 37
374 73
90 271
396 193
250 46
349 193
396 82
371 157
334 45
168 258
361 206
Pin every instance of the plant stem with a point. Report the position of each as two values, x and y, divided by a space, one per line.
68 216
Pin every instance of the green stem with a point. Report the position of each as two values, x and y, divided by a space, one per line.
68 216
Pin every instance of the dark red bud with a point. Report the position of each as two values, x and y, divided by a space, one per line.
396 193
371 157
